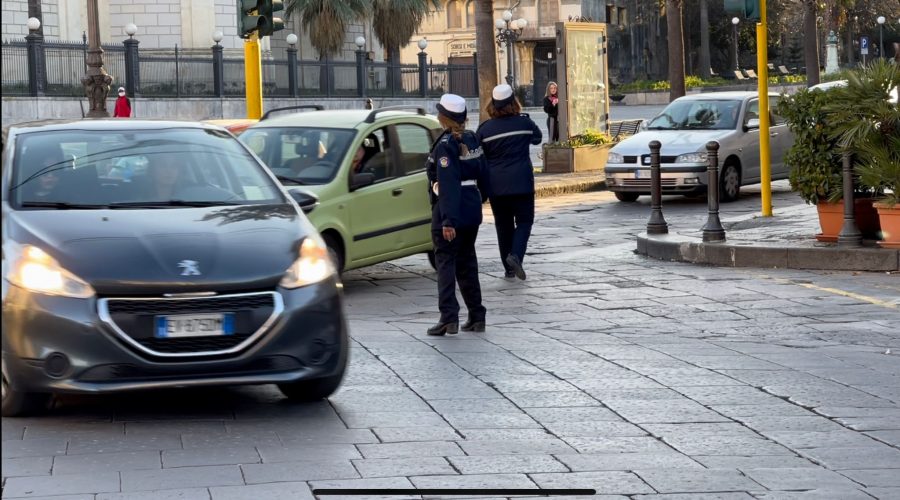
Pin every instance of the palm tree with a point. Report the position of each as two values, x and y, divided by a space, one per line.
34 10
811 42
676 48
705 63
326 20
395 22
487 56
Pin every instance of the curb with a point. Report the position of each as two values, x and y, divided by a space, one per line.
674 247
548 189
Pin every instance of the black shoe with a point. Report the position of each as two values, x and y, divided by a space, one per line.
510 274
442 328
516 266
473 326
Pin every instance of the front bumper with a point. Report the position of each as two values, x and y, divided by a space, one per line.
58 344
680 178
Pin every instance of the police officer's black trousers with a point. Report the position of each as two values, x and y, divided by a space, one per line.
456 262
513 218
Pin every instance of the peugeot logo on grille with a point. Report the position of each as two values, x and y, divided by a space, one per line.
189 268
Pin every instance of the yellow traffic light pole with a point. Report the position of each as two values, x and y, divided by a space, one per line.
762 63
253 76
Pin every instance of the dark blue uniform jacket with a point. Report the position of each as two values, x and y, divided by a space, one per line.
505 142
462 182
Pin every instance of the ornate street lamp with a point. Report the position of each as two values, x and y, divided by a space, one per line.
97 81
508 31
737 61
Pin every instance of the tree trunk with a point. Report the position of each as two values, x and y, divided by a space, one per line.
705 63
811 43
487 55
676 48
34 10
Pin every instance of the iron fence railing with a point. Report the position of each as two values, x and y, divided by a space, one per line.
59 67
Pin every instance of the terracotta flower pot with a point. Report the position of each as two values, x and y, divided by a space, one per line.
831 219
890 225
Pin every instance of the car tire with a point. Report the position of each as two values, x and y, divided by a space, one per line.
335 251
627 197
431 259
320 388
729 183
21 404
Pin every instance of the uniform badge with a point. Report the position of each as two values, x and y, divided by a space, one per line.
445 162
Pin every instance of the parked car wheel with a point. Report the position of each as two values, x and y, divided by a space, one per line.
729 183
431 260
20 404
336 251
627 197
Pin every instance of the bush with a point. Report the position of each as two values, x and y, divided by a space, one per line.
590 137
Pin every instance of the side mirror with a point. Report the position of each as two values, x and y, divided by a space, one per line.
361 180
752 124
305 199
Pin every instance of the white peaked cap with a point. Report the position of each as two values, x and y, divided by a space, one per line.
453 103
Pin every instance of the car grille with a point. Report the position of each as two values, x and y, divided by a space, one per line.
646 182
122 372
662 159
133 319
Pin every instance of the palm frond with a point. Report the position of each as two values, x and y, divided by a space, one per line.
326 21
396 21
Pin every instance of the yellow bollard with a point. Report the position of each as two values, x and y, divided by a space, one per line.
762 64
253 76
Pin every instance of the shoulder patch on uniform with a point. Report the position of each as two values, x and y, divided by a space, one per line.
445 162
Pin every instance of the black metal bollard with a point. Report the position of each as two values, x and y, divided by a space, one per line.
292 70
219 69
133 66
850 235
713 230
657 223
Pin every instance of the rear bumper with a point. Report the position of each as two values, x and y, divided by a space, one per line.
58 344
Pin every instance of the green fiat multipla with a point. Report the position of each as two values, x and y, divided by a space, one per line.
358 174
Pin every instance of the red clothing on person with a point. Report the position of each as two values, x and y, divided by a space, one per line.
123 107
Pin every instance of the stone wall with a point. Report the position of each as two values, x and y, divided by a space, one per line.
23 109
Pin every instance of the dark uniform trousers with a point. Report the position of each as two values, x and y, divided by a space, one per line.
513 218
456 263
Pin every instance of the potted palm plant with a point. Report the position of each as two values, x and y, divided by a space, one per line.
867 124
585 151
816 164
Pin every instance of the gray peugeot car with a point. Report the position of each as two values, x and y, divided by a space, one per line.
151 254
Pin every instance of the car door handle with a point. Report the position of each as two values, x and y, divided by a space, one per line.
397 192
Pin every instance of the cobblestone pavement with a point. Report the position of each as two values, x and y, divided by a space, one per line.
637 378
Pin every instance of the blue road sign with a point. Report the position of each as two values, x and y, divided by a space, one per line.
864 45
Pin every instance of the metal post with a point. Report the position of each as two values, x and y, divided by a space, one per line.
657 223
361 73
509 63
35 46
218 70
423 74
850 235
132 66
713 230
96 81
292 70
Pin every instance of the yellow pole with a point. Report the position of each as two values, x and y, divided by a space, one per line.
762 63
253 77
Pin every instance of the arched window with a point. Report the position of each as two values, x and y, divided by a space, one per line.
470 14
454 15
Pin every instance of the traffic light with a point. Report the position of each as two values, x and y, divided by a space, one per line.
270 23
249 19
746 8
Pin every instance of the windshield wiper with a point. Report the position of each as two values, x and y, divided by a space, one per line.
61 205
170 203
289 180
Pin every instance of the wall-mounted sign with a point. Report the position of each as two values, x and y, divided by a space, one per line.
461 48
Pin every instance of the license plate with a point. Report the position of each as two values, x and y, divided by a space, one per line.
194 325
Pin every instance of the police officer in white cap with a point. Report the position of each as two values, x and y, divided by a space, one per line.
457 177
506 140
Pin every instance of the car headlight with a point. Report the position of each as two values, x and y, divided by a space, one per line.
691 158
615 158
34 270
313 266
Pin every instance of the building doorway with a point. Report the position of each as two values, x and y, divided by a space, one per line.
544 69
462 76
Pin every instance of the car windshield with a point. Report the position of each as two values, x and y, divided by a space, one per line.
697 114
300 155
177 167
